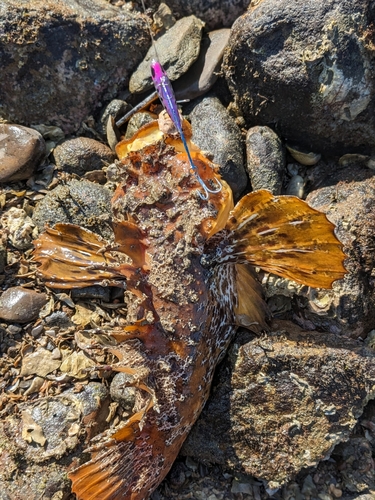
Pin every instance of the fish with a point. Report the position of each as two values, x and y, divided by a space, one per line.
190 264
167 97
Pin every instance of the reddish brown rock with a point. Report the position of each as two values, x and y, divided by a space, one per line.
21 151
21 305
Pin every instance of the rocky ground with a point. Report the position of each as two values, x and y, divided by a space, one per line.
283 101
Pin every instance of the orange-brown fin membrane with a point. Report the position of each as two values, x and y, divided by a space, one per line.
74 257
251 310
285 236
117 468
131 240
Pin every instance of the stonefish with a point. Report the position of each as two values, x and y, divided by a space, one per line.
192 275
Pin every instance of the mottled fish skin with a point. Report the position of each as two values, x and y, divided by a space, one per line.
193 287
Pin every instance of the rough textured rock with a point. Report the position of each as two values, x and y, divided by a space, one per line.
265 159
78 202
177 50
348 199
21 305
49 428
19 228
282 402
215 13
21 151
215 132
308 68
82 154
60 59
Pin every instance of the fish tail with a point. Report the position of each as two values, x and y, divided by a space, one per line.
285 236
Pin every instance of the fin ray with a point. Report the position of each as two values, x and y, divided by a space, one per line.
285 236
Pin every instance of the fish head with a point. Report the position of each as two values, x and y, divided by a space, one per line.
157 176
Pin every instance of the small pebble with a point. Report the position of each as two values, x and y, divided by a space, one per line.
265 159
21 304
14 329
116 108
59 319
122 392
204 72
81 155
36 331
22 149
136 122
296 186
177 50
56 353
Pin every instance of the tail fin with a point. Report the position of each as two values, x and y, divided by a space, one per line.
285 236
117 467
127 469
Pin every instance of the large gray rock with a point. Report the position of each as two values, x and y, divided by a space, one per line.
60 59
282 402
308 69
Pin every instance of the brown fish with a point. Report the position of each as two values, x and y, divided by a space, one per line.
191 273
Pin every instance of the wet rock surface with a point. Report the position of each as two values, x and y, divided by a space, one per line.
349 204
308 68
285 395
63 58
49 429
21 305
215 132
22 149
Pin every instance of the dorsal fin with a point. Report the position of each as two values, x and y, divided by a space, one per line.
285 236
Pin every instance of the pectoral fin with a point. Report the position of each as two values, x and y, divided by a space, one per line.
285 236
74 257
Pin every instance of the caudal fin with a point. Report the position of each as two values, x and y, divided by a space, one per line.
285 236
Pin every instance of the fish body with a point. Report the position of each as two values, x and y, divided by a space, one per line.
193 286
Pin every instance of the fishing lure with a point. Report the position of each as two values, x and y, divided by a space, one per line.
167 97
192 279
